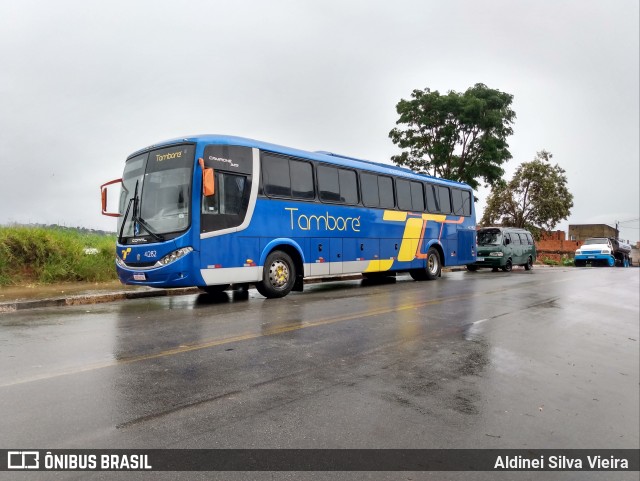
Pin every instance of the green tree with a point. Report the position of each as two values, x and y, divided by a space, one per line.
455 136
537 197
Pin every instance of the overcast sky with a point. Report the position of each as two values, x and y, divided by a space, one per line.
84 83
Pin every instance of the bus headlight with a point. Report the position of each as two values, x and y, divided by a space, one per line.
496 254
120 262
173 256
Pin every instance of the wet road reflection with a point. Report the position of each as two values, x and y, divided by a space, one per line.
472 359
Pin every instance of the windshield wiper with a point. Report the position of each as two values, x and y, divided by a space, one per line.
136 218
135 200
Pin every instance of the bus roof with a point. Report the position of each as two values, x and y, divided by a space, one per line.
320 156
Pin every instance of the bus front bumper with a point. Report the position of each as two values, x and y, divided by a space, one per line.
176 274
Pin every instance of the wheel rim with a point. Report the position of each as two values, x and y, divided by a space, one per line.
432 264
279 274
508 266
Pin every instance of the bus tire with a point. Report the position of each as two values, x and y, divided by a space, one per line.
214 289
278 275
431 271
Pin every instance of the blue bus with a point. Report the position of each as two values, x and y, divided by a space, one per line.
213 211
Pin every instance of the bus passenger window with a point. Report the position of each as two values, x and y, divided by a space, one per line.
417 196
444 199
328 184
387 199
404 194
348 186
369 185
432 203
301 180
275 174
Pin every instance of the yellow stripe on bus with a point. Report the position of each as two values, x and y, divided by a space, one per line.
394 215
410 239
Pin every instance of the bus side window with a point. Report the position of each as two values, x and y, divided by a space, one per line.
370 191
403 189
328 184
301 180
444 199
417 196
432 202
228 197
385 187
275 175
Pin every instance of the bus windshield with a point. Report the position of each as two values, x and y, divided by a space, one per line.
156 192
489 237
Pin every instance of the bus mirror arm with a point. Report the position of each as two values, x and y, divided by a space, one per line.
208 180
103 195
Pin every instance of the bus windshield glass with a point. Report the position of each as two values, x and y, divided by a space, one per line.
156 192
489 237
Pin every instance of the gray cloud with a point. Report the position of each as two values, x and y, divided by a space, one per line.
83 84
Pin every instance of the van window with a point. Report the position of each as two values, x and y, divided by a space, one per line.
529 239
515 238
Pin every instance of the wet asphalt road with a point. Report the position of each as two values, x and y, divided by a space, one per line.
541 359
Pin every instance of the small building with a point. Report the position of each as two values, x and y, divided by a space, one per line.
580 232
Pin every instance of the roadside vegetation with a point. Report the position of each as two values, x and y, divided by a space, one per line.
54 254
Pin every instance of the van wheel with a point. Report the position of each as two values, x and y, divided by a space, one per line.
508 266
472 268
529 265
278 275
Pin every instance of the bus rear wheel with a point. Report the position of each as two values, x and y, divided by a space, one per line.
433 269
278 275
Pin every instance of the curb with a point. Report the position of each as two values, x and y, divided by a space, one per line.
98 298
93 298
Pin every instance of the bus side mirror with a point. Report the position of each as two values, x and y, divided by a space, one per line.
208 182
103 196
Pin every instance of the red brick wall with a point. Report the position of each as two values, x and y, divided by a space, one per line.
553 245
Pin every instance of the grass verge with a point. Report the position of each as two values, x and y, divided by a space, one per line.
48 254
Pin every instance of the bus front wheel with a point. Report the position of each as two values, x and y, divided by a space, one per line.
278 275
